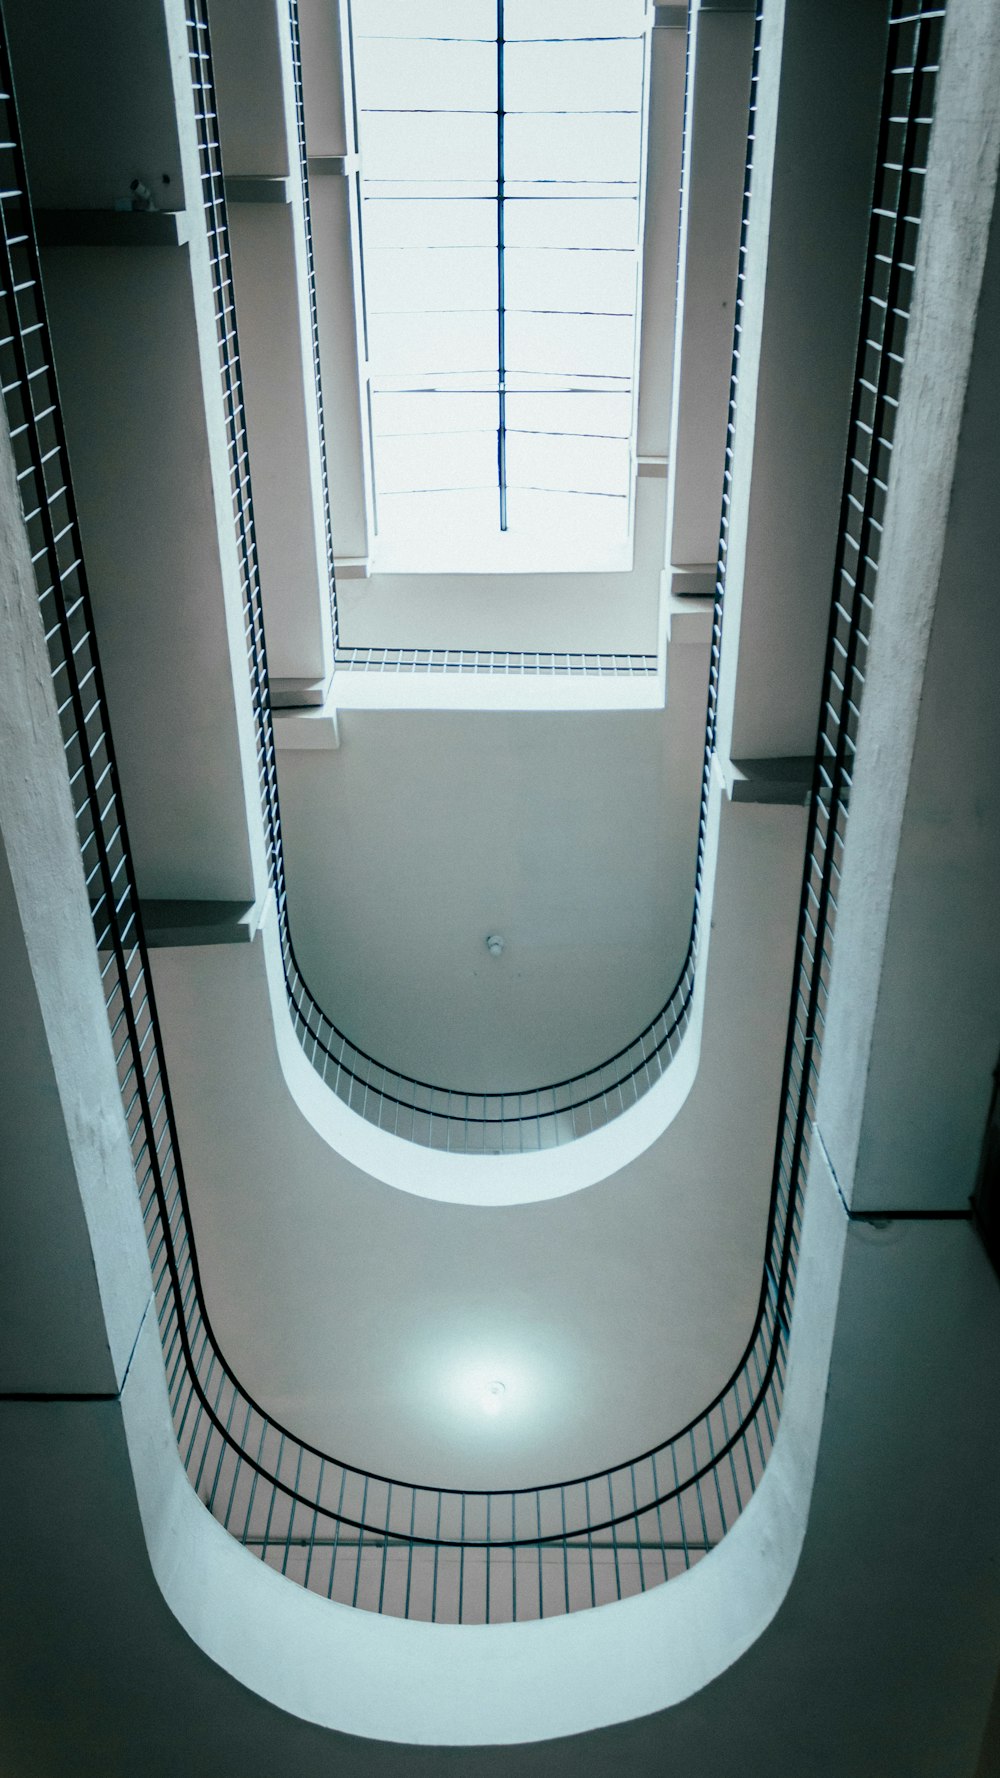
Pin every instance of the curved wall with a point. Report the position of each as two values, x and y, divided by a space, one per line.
573 835
365 1316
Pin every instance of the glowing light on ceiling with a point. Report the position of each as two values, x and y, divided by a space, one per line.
492 1399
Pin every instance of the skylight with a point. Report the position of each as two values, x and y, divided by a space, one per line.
501 156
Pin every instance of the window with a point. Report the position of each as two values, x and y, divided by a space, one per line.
501 155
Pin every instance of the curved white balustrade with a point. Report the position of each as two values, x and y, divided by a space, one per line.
814 1563
367 1674
496 1179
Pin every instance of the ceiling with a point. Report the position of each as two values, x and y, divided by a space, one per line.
369 1319
572 836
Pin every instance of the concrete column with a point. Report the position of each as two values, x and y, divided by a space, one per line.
721 48
252 55
135 342
926 795
70 1228
335 202
814 153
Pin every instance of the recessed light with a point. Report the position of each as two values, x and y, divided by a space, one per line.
491 1399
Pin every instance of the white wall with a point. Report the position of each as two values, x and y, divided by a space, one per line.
928 934
718 106
659 244
84 154
252 62
572 835
135 343
814 145
369 1317
613 611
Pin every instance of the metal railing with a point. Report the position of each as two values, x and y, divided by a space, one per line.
448 1554
549 663
295 42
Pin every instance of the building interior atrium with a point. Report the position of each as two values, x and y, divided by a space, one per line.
499 1134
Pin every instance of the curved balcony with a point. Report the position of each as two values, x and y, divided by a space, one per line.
389 1544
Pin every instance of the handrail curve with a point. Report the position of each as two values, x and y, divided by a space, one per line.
412 1549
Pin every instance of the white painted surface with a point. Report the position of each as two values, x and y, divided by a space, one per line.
358 688
153 555
362 1314
928 933
875 1664
718 99
880 1662
252 58
659 250
928 1095
88 161
820 94
573 834
324 28
249 65
283 437
68 1216
689 620
334 206
308 730
613 612
461 1686
134 336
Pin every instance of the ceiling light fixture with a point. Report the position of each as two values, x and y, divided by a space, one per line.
495 945
491 1400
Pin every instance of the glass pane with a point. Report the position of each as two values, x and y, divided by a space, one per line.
573 18
581 465
605 416
432 18
443 382
426 77
430 191
570 344
412 412
434 222
463 517
406 278
411 76
443 146
570 148
452 460
571 281
425 345
554 382
568 520
610 223
569 191
573 76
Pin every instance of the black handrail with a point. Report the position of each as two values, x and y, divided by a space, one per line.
473 1554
